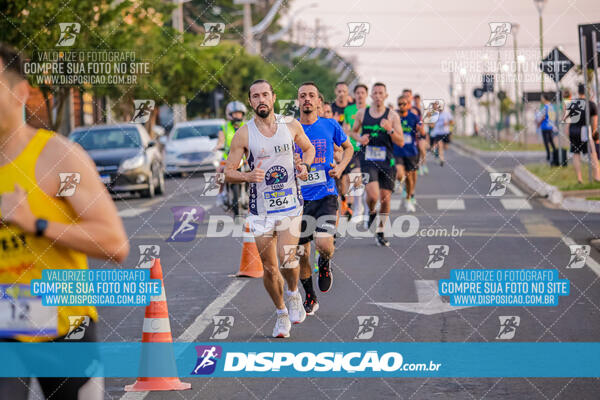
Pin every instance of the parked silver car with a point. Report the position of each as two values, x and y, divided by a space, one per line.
190 146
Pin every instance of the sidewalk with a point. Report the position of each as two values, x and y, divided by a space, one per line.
567 200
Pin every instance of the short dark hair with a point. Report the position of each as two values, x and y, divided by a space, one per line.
379 84
260 81
417 95
407 90
581 89
309 83
340 83
361 85
12 64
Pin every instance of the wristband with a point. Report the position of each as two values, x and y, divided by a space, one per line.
307 166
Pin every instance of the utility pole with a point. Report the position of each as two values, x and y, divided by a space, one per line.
515 30
539 4
249 44
179 111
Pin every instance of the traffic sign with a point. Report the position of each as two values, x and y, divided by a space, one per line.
556 64
586 31
487 81
478 93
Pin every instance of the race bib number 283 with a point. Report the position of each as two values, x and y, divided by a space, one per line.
315 177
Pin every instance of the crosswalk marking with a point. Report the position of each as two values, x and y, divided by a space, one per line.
132 212
450 204
516 204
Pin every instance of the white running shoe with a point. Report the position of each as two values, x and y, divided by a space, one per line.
410 207
282 326
296 308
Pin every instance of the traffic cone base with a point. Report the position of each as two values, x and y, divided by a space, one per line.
250 262
152 384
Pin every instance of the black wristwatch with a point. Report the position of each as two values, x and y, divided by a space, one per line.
307 166
40 227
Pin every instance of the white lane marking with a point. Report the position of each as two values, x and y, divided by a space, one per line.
515 204
451 204
205 319
589 261
429 300
201 322
132 212
488 168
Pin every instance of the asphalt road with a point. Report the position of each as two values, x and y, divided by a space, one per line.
511 231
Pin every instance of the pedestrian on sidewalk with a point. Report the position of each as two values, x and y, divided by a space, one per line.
547 126
578 137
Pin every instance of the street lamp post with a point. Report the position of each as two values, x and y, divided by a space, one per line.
539 4
521 60
463 75
514 31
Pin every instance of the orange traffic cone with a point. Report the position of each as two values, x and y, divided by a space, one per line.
250 263
157 329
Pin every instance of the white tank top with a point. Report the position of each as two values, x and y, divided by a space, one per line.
278 193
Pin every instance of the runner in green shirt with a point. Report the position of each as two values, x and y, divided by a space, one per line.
360 97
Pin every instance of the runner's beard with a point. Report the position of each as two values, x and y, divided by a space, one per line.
307 109
264 111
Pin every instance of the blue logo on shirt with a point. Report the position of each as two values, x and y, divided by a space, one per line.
276 174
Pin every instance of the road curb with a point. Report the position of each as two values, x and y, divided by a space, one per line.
553 194
513 154
535 184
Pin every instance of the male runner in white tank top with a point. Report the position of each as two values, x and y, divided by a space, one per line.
275 200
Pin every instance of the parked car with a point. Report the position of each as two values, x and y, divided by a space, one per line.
190 146
125 156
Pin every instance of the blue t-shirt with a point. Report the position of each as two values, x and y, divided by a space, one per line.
549 114
322 134
409 128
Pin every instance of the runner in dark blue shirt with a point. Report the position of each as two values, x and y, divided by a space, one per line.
407 156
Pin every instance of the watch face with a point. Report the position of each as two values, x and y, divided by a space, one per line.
40 226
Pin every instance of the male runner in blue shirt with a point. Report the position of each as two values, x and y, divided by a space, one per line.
319 191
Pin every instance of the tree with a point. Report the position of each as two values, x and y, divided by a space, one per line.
32 26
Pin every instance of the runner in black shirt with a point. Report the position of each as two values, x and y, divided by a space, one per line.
381 129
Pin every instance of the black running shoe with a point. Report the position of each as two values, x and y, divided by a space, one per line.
382 241
348 213
310 305
325 279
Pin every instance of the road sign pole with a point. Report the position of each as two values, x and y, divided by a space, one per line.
584 63
595 64
557 102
